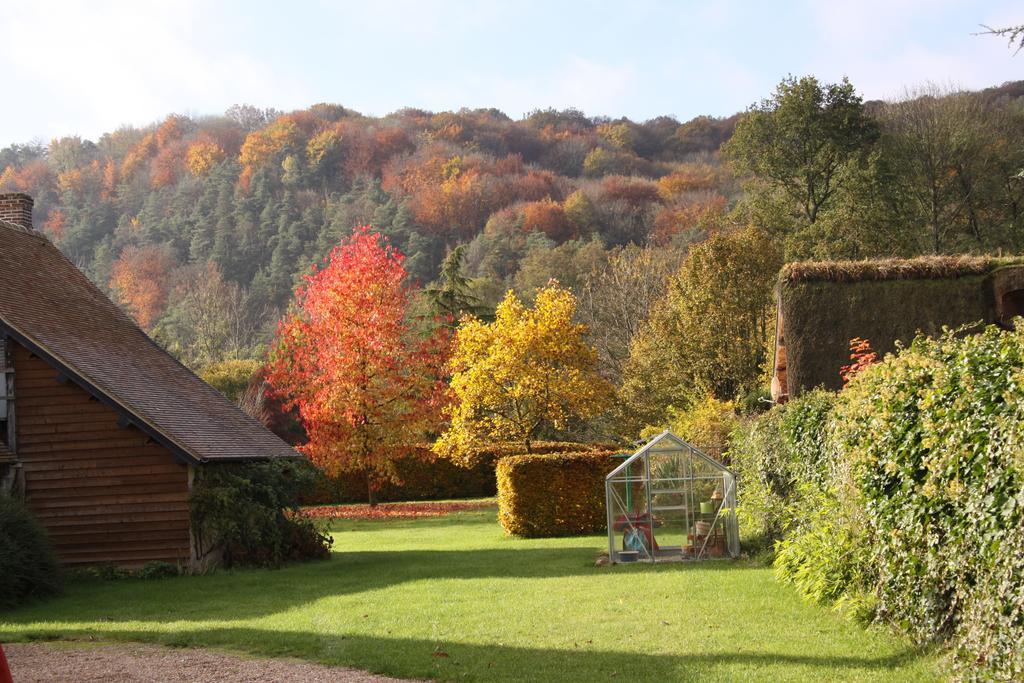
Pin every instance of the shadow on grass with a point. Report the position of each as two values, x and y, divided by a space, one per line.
250 593
418 658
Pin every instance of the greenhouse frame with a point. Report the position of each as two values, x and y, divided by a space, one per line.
671 502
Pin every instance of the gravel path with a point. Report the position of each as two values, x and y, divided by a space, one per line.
63 661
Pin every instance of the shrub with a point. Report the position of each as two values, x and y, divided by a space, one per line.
28 566
779 457
707 425
157 570
249 512
559 494
823 554
910 502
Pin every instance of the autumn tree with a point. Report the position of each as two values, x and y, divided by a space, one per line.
140 281
527 373
615 300
709 334
366 385
798 140
941 145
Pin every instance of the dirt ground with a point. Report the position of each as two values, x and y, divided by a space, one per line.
80 662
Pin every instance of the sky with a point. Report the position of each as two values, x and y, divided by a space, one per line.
85 68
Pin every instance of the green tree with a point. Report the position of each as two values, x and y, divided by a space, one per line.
797 141
709 335
451 297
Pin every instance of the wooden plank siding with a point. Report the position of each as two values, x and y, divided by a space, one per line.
105 493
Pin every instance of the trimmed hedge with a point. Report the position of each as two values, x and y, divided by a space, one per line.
821 317
28 566
560 494
431 477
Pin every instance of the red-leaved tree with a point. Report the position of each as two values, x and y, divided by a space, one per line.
367 385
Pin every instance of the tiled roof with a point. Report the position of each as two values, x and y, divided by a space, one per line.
51 307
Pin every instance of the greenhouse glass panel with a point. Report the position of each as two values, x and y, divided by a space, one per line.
671 502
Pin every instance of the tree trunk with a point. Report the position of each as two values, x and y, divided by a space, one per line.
371 497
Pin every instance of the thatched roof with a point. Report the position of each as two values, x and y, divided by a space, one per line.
920 268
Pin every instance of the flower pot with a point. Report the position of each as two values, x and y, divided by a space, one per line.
707 508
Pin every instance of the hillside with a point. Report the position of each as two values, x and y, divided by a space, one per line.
231 210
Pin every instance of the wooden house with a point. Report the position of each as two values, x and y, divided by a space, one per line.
822 306
101 431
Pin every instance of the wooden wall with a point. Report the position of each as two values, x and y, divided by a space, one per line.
105 493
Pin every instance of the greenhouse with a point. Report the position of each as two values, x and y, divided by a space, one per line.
671 502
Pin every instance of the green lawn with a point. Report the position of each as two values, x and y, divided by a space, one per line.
452 598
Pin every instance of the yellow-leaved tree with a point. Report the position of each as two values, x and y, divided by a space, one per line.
528 371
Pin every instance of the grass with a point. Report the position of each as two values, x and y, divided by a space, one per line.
452 598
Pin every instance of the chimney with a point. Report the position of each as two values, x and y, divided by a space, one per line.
16 207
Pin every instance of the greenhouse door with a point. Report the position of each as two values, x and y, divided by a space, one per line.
670 502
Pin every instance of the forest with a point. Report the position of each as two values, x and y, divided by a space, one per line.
203 227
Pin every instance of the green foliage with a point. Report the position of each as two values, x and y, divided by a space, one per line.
709 335
452 297
230 377
706 424
559 494
799 140
249 512
902 497
28 566
824 555
934 439
780 457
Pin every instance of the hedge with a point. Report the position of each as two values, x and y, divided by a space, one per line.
781 458
918 517
429 477
560 494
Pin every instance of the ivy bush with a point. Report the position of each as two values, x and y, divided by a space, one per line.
934 438
903 496
249 512
28 566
